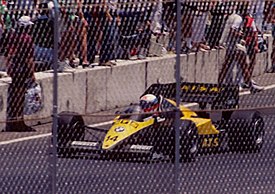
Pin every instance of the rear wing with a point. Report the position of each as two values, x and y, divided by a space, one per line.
219 96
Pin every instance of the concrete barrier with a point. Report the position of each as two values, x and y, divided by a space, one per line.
101 88
3 101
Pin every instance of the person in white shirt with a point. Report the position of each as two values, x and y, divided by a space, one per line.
230 37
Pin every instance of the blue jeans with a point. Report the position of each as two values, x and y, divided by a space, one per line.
44 55
109 42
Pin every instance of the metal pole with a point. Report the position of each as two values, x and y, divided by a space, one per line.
53 157
178 83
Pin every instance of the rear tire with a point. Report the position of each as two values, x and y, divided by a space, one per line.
70 128
246 132
189 141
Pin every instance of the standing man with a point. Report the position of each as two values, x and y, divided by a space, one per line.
82 30
43 35
109 33
251 38
20 68
232 36
91 15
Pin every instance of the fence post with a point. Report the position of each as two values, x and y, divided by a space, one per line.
53 157
178 82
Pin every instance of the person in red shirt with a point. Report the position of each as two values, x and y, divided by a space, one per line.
20 67
250 36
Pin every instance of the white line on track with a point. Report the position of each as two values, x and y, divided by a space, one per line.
44 135
24 139
103 123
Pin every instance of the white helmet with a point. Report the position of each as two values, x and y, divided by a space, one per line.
149 103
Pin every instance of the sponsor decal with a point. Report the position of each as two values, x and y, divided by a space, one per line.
119 129
141 147
126 122
110 138
202 88
84 143
210 142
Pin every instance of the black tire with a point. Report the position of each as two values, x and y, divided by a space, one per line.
70 128
246 131
189 141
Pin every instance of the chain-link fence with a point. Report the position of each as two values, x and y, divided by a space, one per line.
137 96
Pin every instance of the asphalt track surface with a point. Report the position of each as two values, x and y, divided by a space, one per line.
25 167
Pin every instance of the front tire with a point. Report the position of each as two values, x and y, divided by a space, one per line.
189 141
246 132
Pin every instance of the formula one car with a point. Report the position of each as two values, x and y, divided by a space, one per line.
152 136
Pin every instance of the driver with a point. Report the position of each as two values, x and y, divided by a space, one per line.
150 103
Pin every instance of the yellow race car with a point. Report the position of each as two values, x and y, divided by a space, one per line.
135 135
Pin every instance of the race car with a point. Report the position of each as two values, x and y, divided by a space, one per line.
138 135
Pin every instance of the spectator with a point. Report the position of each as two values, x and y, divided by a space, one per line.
20 68
2 24
188 14
257 8
156 18
199 24
272 69
91 14
169 18
43 35
151 23
81 30
231 37
251 38
218 19
143 42
5 25
109 33
68 42
135 29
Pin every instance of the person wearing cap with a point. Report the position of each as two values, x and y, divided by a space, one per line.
20 68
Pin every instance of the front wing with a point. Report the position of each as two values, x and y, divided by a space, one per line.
92 149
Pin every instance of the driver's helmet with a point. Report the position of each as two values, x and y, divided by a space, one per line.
149 103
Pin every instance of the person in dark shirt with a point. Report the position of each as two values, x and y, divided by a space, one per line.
20 68
43 35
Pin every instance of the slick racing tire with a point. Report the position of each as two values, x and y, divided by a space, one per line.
70 128
246 132
189 141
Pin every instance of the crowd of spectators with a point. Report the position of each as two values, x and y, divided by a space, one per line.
116 29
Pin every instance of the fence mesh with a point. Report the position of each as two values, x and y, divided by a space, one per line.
125 121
